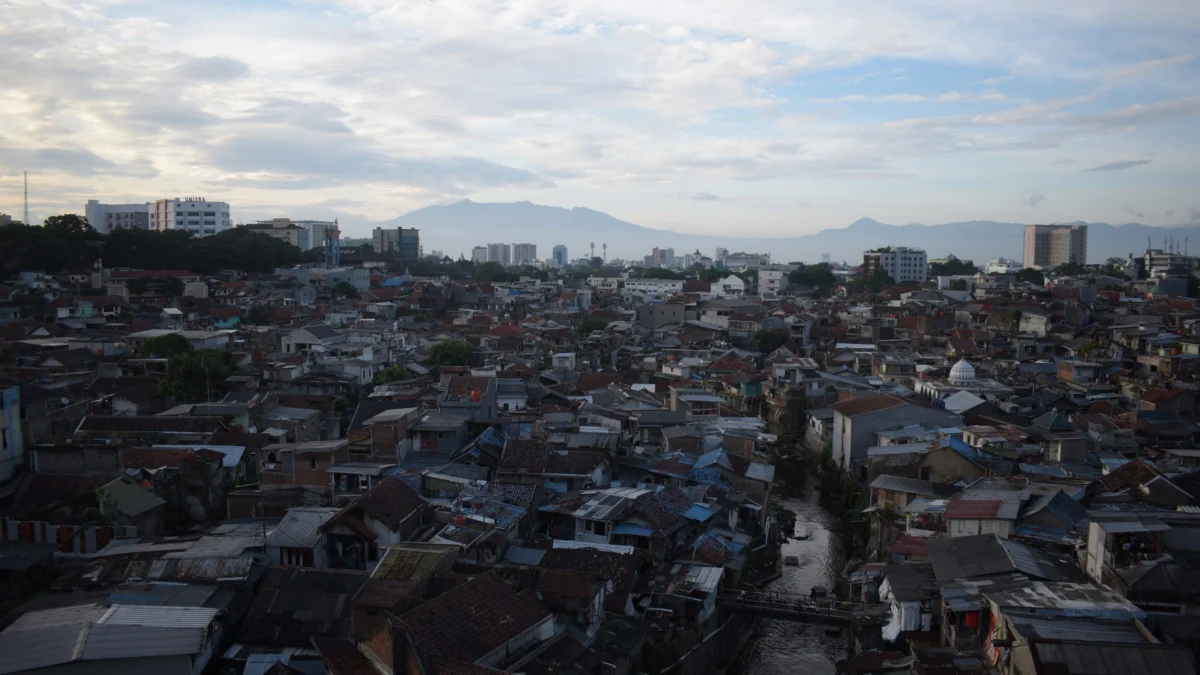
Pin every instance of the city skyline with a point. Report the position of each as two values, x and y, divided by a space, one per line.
760 117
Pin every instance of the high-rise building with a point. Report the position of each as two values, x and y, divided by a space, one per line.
826 258
479 254
108 217
499 253
560 256
524 253
721 253
898 262
403 241
736 261
284 229
1049 246
193 214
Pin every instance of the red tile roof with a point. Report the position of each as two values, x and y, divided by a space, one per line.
973 508
1158 395
390 502
472 620
871 403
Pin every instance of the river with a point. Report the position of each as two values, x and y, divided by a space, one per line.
783 647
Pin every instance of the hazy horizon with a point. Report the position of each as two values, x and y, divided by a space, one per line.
707 118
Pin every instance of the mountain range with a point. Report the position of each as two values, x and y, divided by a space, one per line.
458 227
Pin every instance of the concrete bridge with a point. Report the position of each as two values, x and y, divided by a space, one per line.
803 609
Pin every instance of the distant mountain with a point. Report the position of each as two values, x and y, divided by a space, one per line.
458 227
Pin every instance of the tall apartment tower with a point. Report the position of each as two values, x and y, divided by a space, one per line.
499 253
479 254
1049 246
404 241
524 253
560 256
194 214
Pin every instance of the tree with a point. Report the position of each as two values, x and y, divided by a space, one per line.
493 271
660 273
166 346
952 266
1071 269
450 353
258 315
138 285
171 287
1032 276
879 280
766 341
71 224
819 277
197 377
590 324
958 285
346 289
710 274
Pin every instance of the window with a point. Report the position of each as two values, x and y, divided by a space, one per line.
312 462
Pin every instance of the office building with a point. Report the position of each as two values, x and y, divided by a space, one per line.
479 254
560 256
283 229
1003 266
107 217
1049 246
524 254
898 262
737 261
405 242
193 214
499 253
316 231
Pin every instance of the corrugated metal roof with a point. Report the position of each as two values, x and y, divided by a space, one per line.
164 617
1088 658
107 641
26 650
301 527
62 616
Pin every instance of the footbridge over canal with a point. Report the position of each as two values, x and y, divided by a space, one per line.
803 609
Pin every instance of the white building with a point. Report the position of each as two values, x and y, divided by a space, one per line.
523 254
730 287
898 262
771 281
499 253
108 217
1003 266
654 285
194 214
560 256
479 254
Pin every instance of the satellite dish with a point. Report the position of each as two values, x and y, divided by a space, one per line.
65 401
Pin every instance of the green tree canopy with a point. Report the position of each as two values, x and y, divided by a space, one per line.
819 277
450 353
258 316
766 341
879 280
1032 276
71 224
958 285
199 376
952 267
711 274
493 271
166 346
660 273
590 324
1071 269
346 288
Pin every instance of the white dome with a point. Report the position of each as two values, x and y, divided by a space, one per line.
962 373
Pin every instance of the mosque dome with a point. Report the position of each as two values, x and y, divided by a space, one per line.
962 373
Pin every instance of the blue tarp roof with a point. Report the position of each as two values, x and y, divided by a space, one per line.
698 513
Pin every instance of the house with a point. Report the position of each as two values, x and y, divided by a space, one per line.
299 540
857 420
86 639
483 622
311 337
392 511
968 516
130 504
301 464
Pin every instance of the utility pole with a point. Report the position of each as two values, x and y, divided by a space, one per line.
26 174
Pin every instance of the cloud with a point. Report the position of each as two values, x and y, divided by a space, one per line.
1120 166
212 69
1035 199
699 196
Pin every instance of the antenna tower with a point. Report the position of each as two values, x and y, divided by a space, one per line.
605 252
593 245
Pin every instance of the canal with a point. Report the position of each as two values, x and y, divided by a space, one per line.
782 647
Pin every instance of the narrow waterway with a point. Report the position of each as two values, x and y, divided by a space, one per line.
786 648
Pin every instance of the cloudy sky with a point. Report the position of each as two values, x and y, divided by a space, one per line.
770 117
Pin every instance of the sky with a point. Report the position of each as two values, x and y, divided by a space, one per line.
768 117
